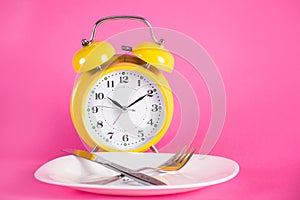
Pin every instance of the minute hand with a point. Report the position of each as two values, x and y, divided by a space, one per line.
139 99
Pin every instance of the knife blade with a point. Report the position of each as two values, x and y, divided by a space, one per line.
137 176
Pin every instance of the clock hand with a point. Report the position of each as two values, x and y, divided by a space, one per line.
139 99
117 117
116 103
133 110
108 107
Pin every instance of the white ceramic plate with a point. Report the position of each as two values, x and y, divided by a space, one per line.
198 173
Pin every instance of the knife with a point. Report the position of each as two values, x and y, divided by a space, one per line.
137 176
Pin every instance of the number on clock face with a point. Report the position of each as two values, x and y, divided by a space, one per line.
124 110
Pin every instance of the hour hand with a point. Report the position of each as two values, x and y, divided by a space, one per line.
116 103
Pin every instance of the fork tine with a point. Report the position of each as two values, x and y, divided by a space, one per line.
173 158
188 155
180 154
182 160
185 154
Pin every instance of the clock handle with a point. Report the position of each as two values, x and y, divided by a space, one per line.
85 42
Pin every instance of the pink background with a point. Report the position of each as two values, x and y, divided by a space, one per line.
255 44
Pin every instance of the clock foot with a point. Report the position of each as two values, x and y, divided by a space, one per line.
95 149
154 149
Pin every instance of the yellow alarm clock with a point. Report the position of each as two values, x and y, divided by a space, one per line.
122 102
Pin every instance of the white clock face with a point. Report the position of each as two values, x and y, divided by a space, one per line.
124 110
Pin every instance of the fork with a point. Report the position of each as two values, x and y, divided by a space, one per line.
174 163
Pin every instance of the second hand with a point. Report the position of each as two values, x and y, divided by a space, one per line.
133 110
